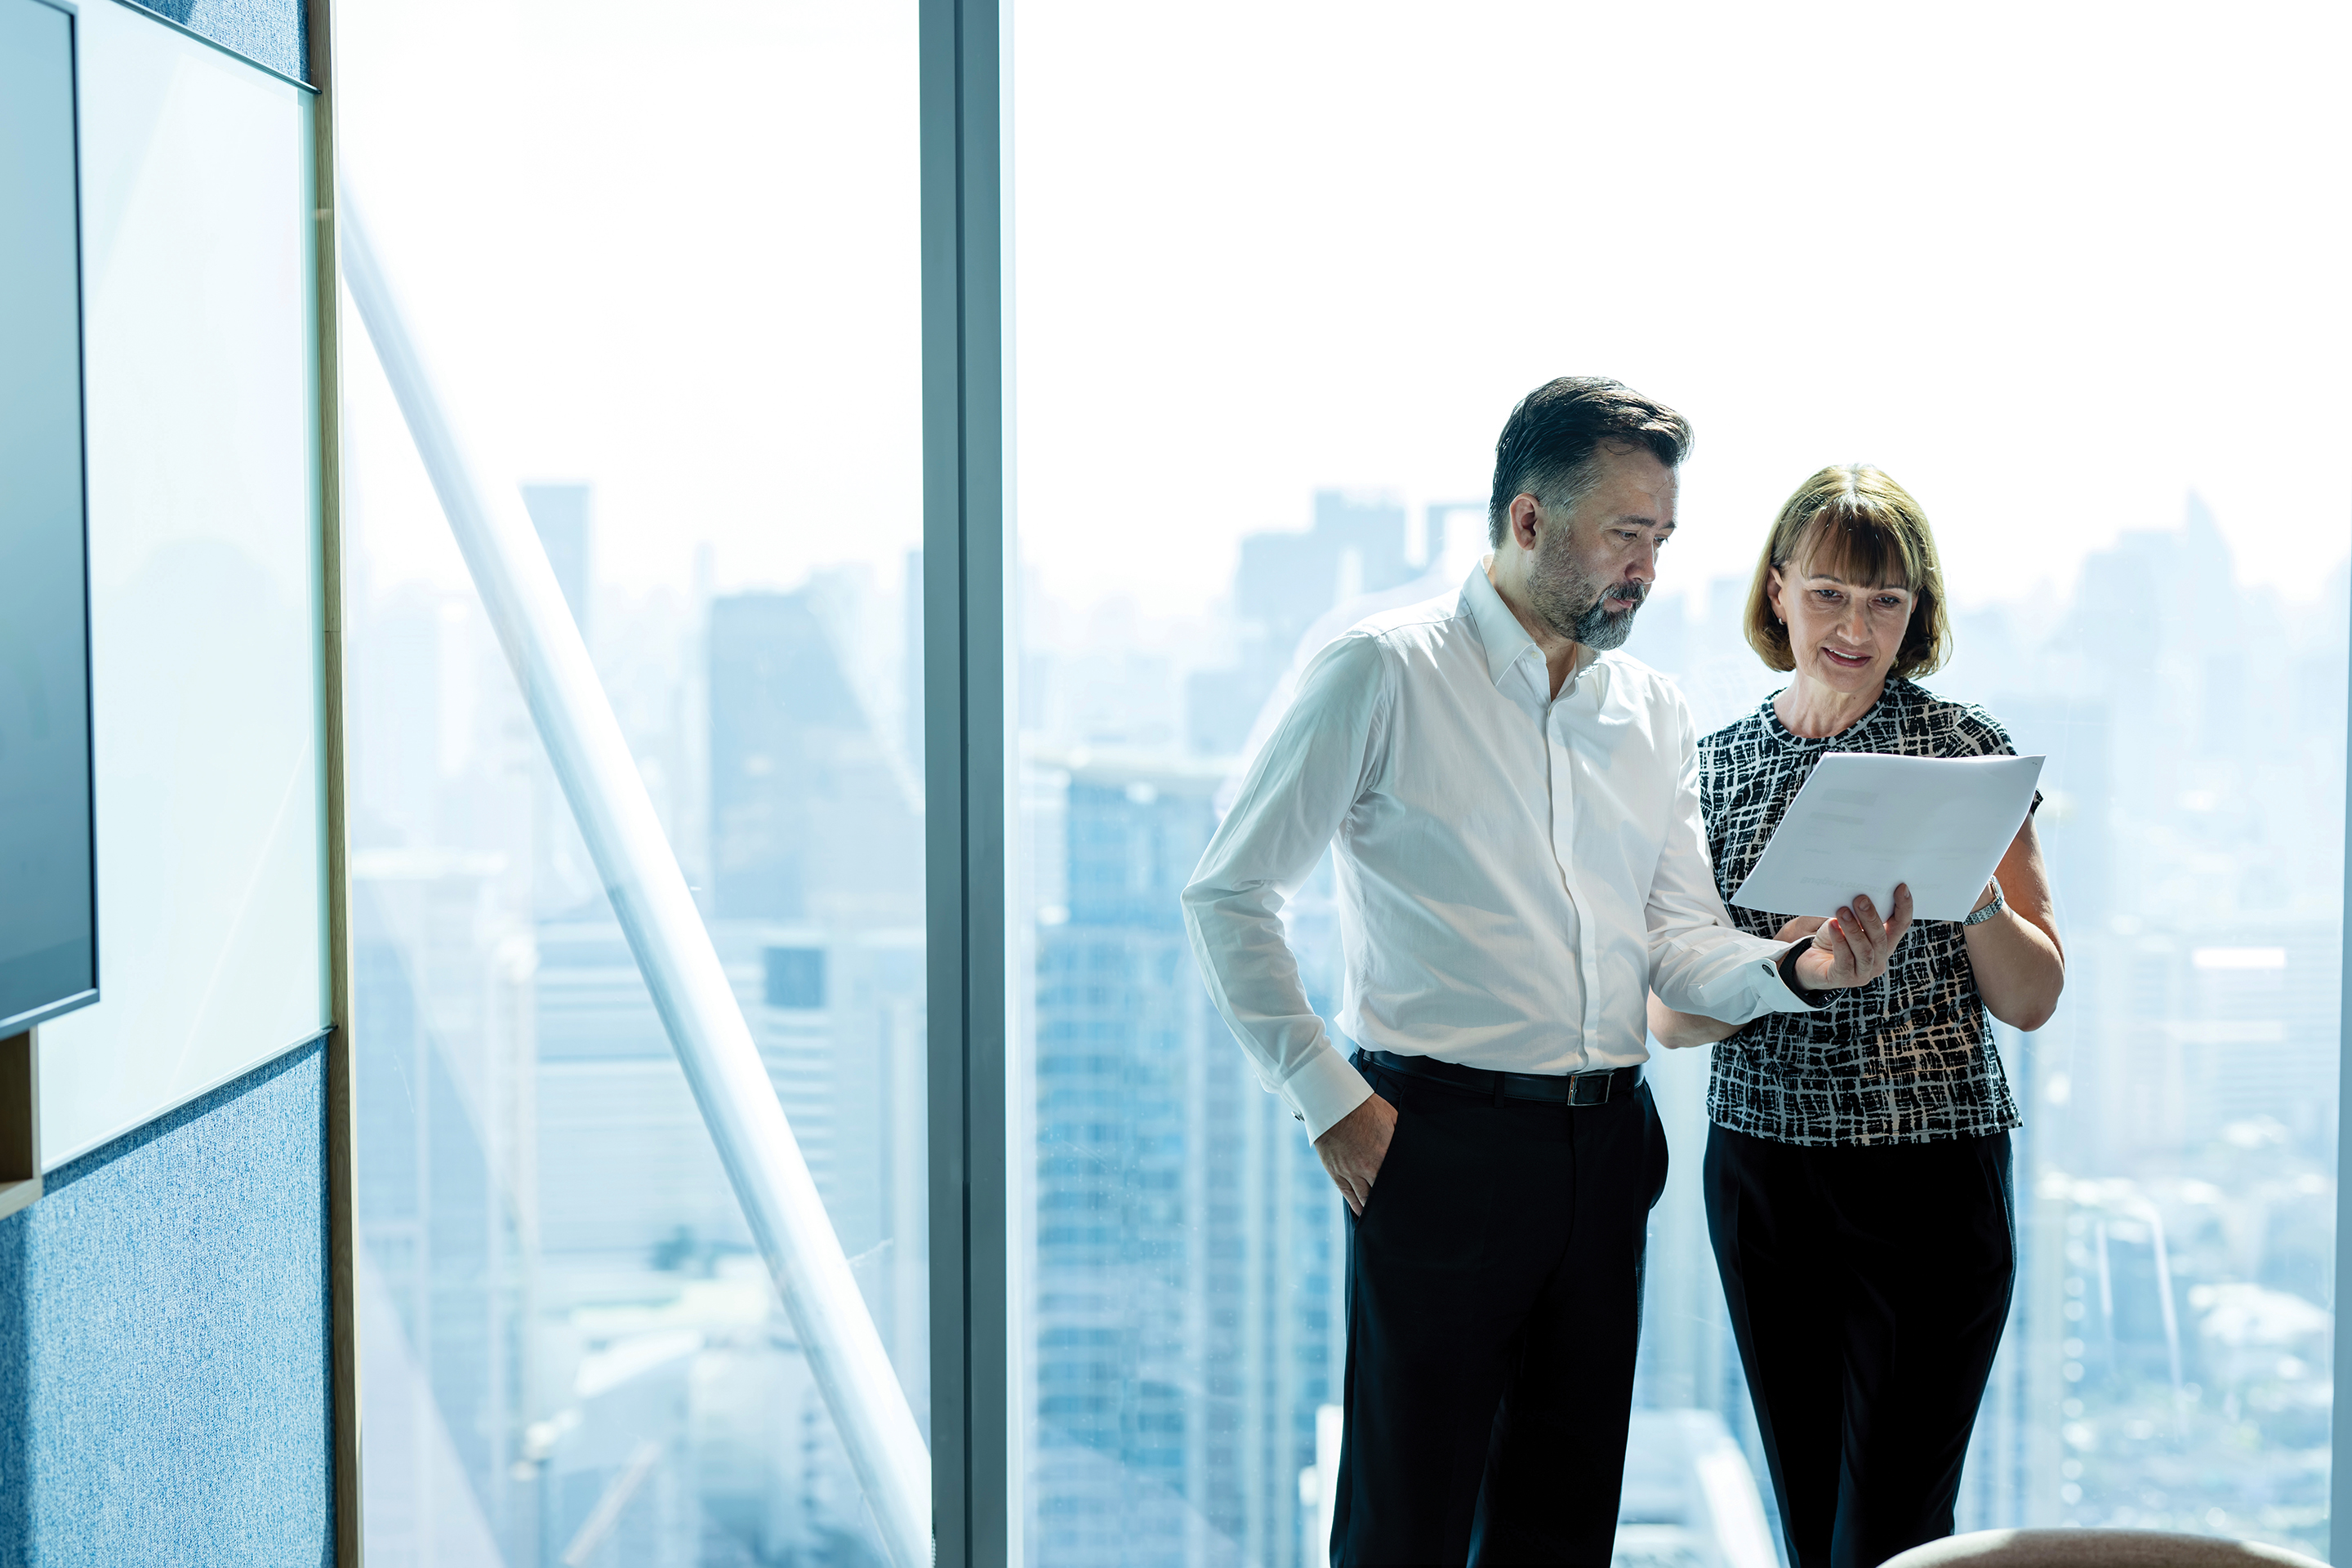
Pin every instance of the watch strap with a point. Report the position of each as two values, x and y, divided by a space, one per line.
1787 964
2000 903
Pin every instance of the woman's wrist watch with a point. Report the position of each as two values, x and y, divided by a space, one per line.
1979 917
1787 965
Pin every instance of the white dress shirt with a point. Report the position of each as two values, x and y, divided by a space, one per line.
1517 872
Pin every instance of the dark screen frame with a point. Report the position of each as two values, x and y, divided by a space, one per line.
42 1012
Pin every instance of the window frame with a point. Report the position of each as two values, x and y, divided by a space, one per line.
967 417
965 273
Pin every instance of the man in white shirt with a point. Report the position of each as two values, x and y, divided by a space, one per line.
1520 862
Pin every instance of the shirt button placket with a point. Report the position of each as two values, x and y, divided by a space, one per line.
1563 849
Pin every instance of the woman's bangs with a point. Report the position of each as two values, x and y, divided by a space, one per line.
1850 541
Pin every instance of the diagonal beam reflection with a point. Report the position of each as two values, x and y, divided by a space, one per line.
666 934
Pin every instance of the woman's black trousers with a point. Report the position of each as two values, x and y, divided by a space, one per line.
1868 1286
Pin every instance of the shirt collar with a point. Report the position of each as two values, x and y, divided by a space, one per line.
1506 641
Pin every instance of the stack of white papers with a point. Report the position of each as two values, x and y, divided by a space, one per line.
1864 823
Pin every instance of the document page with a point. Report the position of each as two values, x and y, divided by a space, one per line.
1863 822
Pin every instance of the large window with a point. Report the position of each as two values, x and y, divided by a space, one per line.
2069 276
666 269
1276 274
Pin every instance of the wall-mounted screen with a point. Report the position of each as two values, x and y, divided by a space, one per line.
49 946
198 236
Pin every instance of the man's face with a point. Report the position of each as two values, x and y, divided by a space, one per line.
1594 563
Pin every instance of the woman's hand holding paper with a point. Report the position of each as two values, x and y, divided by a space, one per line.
1853 947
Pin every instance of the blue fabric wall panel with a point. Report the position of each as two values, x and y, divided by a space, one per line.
165 1371
271 31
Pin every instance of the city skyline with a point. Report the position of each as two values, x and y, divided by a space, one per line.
1265 301
1182 1295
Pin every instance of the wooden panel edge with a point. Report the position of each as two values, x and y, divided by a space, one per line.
14 1196
20 1122
342 1170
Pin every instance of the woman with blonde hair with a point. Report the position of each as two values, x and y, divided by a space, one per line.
1857 1168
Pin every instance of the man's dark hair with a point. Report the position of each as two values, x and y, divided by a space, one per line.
1548 444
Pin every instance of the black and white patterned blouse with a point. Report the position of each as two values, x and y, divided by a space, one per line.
1908 1058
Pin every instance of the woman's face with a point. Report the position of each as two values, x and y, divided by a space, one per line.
1843 635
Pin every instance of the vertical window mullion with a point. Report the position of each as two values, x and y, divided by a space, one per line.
2339 1479
965 775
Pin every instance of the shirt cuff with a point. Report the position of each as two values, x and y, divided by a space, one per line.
1324 1090
1779 997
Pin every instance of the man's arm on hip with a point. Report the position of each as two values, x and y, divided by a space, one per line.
1298 793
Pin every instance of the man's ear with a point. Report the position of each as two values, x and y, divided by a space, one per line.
1523 520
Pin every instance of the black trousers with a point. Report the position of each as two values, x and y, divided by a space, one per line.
1493 1301
1867 1287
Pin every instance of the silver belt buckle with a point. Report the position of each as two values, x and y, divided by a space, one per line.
1608 1077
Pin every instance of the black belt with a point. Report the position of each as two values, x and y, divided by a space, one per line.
1556 1089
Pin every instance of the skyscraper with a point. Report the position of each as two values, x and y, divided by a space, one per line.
1285 581
562 880
816 845
1184 1315
812 816
446 1211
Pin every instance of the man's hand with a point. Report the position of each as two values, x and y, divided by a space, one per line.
1852 947
1354 1147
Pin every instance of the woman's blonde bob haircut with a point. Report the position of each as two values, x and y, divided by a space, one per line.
1852 520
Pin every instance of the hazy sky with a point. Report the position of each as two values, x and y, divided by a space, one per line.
2050 266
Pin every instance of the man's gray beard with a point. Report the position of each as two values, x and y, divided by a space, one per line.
1570 603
